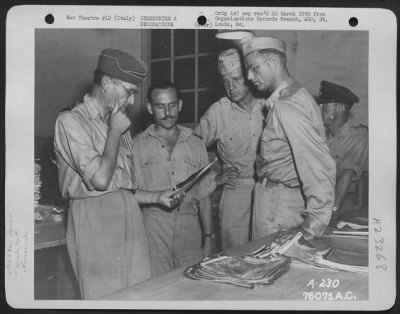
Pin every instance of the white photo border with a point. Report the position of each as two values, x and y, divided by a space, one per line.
22 21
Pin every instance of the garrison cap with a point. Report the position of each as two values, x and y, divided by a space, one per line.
260 43
121 65
228 61
330 92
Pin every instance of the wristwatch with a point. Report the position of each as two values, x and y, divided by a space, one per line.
209 235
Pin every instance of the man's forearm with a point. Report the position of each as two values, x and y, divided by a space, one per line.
206 215
147 197
103 175
342 186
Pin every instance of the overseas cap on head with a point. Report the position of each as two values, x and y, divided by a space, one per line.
228 61
330 92
260 43
121 65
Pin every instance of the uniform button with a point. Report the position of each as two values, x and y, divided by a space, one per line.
172 173
162 146
168 159
254 134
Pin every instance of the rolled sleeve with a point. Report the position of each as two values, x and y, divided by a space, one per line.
315 167
316 224
75 147
208 127
89 170
123 180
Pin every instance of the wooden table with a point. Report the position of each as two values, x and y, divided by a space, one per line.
53 274
299 283
49 233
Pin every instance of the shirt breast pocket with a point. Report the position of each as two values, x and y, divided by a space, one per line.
234 141
339 158
189 167
150 161
150 172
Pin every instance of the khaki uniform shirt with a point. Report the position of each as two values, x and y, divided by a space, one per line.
156 170
80 137
236 131
293 151
349 148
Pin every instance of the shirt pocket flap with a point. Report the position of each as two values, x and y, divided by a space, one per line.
235 138
149 161
190 164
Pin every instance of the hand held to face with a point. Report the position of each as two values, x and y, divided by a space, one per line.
119 121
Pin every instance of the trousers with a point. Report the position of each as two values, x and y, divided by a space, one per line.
234 214
174 238
276 208
107 243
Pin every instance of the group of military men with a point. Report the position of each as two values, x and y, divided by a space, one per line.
278 171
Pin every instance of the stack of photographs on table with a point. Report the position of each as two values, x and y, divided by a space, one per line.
266 264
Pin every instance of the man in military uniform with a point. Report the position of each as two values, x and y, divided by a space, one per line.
235 122
296 185
105 236
348 145
166 154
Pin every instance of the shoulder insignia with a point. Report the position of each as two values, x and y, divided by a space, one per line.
360 126
67 109
197 135
363 126
290 90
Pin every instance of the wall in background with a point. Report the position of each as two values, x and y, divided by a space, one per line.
64 63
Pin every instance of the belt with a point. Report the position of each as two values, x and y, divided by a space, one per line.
180 210
292 184
186 210
243 181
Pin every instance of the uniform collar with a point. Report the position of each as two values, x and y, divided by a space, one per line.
91 107
345 129
184 133
258 106
277 93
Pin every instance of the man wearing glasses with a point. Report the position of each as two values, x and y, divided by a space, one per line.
296 186
106 239
166 154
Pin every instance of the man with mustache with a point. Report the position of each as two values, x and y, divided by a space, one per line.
166 154
297 175
235 123
106 239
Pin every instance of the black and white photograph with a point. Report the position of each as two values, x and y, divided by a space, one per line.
197 158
